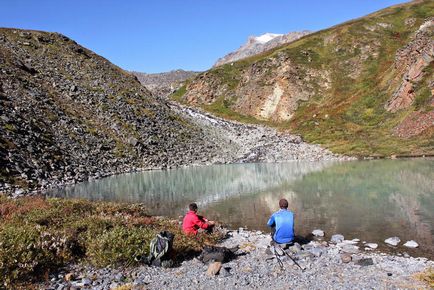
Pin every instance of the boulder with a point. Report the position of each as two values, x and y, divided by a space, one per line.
393 241
411 244
371 245
318 233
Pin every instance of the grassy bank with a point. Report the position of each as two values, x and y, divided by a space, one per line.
39 235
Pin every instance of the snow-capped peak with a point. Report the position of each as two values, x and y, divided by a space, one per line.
266 37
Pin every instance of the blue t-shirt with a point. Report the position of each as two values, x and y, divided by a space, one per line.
283 220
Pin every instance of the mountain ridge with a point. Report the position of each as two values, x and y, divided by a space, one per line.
165 83
259 44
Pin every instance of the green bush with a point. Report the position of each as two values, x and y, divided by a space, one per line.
118 245
29 251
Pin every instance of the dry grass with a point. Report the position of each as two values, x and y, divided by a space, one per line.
426 277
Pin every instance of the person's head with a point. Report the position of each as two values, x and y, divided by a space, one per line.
192 206
283 203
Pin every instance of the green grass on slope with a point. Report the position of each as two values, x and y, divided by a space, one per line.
358 124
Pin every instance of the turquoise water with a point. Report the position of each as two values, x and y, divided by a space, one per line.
370 200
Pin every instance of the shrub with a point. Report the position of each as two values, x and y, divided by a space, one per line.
38 235
29 251
119 245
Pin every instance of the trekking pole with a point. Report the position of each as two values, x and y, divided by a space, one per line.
292 259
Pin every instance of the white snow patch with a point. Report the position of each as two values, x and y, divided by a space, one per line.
264 38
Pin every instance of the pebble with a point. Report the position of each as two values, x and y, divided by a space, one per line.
411 244
214 268
393 241
346 258
372 245
318 233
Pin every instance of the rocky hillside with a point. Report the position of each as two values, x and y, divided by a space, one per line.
163 84
67 113
259 44
364 87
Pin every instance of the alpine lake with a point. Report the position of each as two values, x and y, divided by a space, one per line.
369 200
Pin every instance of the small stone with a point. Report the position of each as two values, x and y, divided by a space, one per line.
350 249
296 248
86 282
338 238
317 252
318 233
393 241
372 245
346 258
411 244
69 277
224 272
214 268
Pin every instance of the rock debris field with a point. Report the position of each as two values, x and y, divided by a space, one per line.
328 263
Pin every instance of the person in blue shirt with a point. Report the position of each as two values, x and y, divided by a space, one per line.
282 223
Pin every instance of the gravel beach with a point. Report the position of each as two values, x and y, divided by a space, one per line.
346 264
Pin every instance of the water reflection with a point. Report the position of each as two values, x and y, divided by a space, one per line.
371 200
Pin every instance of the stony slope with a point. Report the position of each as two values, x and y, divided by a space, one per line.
67 113
364 87
259 44
163 84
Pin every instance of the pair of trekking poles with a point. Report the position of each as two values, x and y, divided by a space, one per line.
284 253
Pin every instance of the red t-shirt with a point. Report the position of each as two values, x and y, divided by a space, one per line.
192 223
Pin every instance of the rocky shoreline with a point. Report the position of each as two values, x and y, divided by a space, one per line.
327 263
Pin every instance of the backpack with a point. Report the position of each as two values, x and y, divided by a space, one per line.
160 248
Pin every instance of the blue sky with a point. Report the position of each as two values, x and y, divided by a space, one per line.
161 35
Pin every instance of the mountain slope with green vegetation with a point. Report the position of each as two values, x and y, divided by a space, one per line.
364 87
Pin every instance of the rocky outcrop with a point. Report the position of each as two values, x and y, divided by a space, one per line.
411 62
163 84
259 44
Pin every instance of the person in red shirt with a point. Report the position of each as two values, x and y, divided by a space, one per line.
193 222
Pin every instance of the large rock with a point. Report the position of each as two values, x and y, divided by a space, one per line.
318 233
393 241
411 244
371 245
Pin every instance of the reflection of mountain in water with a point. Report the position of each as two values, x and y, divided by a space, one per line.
164 191
369 200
